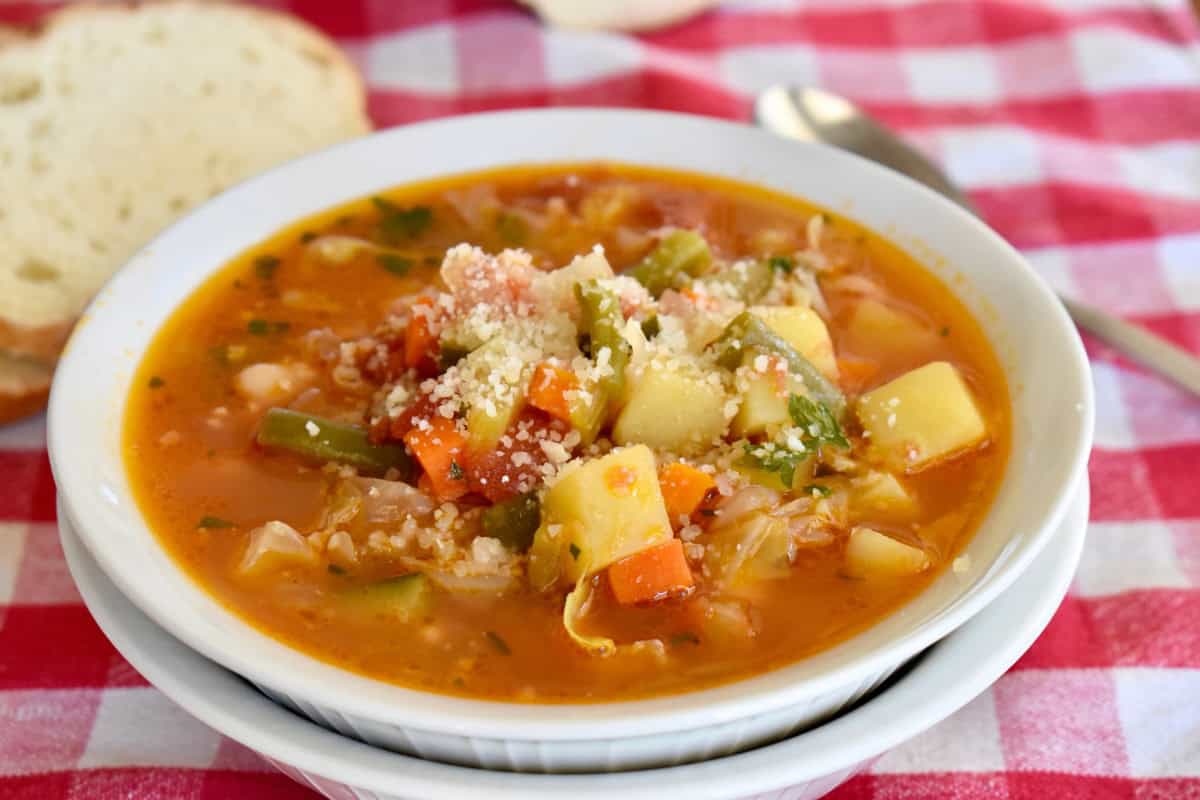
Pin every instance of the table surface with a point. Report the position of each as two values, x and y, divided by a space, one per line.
1074 126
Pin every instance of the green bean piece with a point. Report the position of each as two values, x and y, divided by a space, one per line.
514 521
677 256
326 440
748 333
751 279
602 322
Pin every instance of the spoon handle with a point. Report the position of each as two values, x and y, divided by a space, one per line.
813 115
1150 350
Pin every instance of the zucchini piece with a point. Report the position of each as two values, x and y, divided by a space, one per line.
406 598
514 521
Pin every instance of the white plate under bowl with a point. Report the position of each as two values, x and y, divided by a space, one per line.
807 765
1039 349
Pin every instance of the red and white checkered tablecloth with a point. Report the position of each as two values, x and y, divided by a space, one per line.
1074 125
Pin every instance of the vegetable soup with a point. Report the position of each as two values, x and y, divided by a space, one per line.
568 433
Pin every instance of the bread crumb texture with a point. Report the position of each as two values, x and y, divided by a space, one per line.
116 120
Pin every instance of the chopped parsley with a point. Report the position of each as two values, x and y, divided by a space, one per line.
397 224
308 236
336 570
816 421
501 646
771 457
782 264
155 382
262 327
574 550
685 637
824 491
207 522
945 331
397 265
816 426
651 327
456 472
265 266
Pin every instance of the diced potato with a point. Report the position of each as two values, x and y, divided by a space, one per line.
876 327
870 553
773 480
879 491
804 330
764 404
726 621
598 513
922 417
680 408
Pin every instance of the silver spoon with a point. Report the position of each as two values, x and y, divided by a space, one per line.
814 115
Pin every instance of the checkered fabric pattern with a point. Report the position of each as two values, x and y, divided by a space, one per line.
1075 127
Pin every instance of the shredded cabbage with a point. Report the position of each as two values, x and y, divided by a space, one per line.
573 609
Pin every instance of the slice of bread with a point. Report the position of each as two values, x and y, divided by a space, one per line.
116 119
24 386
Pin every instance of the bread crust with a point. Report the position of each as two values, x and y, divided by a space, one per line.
24 386
44 343
17 406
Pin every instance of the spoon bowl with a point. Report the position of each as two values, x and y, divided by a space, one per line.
814 115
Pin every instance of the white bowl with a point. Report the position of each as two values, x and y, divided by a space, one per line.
1041 353
941 680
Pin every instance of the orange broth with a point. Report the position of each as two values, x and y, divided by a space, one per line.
191 455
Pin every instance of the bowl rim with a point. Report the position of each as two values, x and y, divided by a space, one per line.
952 673
505 720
